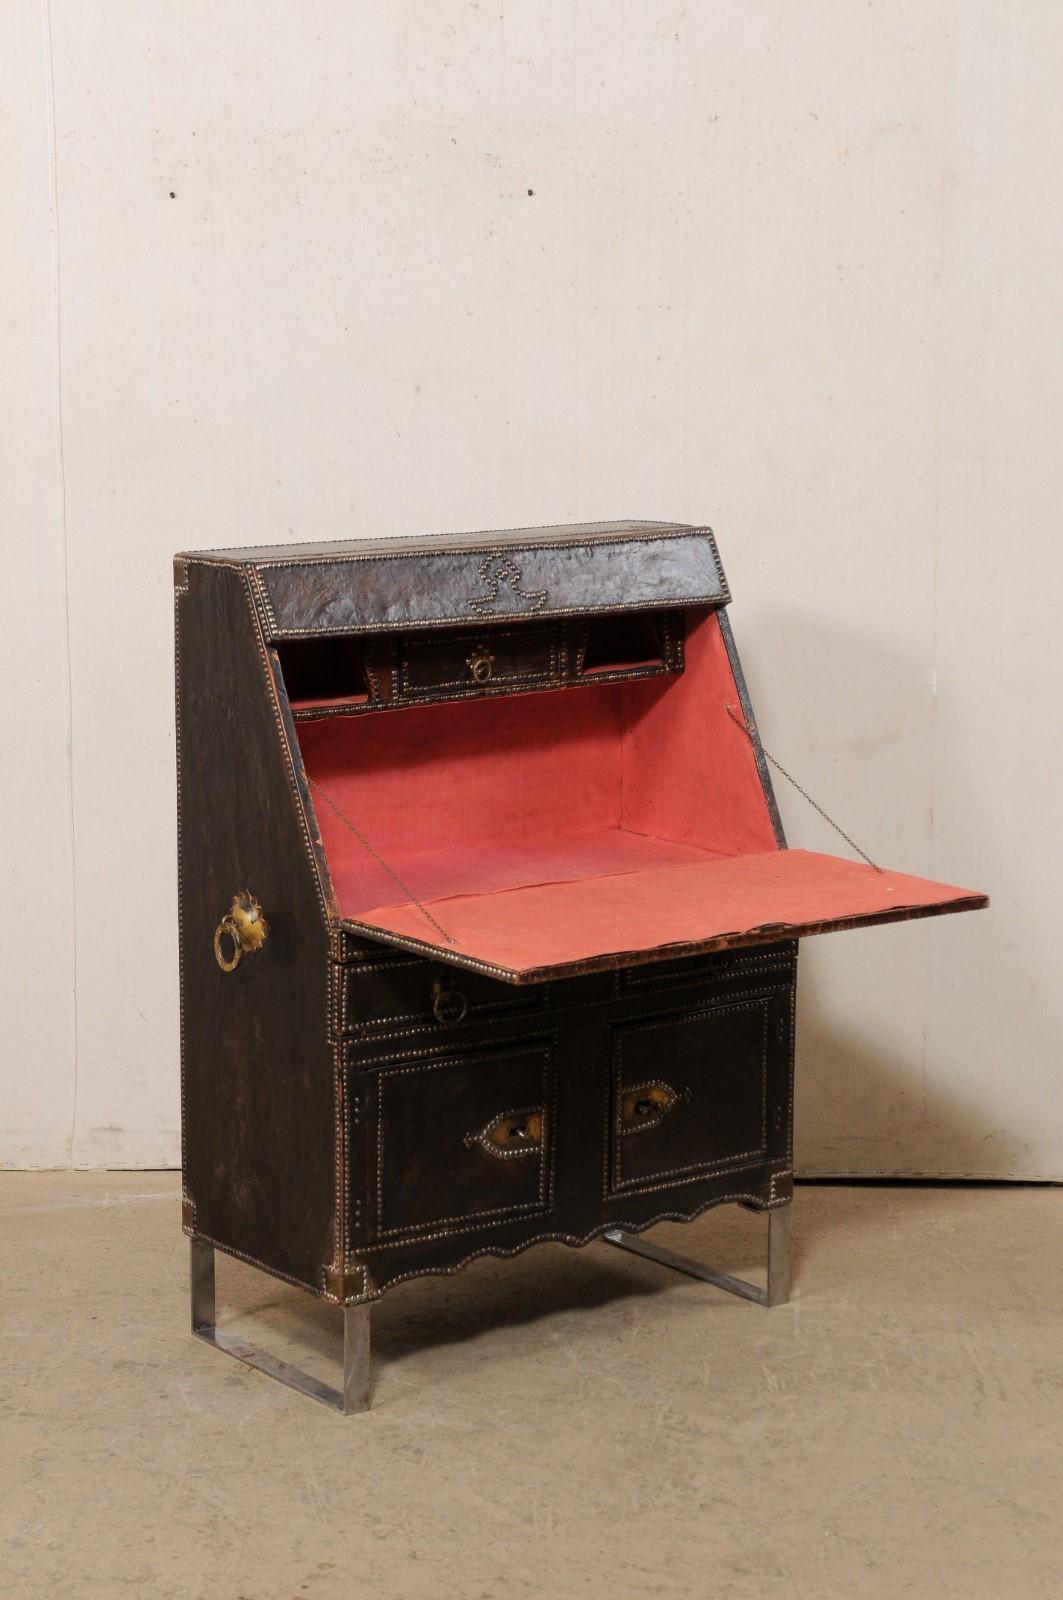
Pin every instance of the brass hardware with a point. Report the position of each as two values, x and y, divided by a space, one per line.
514 1133
345 1286
245 928
448 1005
481 664
645 1105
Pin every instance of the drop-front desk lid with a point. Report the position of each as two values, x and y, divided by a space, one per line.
534 932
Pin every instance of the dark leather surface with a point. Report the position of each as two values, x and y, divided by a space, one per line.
372 593
628 528
383 585
258 1101
526 656
432 1171
714 1060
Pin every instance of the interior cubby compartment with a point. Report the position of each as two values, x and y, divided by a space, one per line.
327 674
627 643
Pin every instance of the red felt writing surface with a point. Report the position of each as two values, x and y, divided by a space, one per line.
527 931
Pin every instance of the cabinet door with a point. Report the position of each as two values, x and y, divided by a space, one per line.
463 1140
697 1091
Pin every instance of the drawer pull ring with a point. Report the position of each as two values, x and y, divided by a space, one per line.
244 927
645 1105
511 1135
448 1005
481 665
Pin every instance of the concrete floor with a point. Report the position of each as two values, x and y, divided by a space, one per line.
570 1423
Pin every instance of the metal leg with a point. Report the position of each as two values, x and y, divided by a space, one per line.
355 1359
354 1396
779 1257
778 1289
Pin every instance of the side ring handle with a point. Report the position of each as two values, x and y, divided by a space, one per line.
244 927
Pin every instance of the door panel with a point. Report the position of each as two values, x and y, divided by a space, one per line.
692 1092
462 1140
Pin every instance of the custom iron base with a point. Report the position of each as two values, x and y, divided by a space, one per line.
777 1291
354 1395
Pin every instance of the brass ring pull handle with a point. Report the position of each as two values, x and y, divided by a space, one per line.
645 1105
244 926
227 929
448 1005
481 664
513 1133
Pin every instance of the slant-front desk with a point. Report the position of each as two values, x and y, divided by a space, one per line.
488 924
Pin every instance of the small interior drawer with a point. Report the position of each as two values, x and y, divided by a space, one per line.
462 1140
477 661
402 992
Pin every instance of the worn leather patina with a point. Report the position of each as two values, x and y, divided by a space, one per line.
373 586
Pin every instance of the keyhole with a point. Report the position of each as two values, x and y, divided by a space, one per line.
519 1130
643 1108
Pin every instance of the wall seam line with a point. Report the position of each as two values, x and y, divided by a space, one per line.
60 444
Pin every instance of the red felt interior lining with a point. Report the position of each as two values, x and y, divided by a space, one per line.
471 795
559 826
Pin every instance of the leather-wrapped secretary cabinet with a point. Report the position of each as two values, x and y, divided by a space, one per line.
488 925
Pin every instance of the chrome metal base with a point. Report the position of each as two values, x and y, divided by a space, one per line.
354 1396
778 1289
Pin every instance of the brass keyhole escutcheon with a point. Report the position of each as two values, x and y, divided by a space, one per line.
511 1134
645 1105
481 665
240 932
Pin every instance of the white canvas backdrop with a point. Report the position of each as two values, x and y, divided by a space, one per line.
277 272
